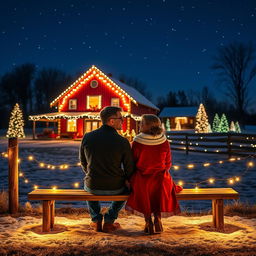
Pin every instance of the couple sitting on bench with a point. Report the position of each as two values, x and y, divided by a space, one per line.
112 167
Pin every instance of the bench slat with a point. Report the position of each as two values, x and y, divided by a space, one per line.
81 195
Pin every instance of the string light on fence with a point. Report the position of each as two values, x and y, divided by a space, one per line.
76 185
237 178
181 183
231 181
250 164
211 180
66 166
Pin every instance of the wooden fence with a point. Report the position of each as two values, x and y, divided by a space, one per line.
232 144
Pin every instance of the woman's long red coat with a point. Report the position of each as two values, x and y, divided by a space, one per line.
153 189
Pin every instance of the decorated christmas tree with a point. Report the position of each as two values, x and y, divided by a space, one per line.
168 125
209 128
237 127
215 124
16 124
232 127
223 126
201 120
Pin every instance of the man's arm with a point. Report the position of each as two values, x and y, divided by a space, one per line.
128 160
82 158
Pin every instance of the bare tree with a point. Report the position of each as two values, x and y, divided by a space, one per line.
49 84
16 86
236 67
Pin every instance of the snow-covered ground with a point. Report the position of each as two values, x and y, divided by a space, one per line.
191 235
73 235
66 152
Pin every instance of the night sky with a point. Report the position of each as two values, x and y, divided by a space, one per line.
167 44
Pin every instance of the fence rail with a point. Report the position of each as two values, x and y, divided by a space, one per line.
232 144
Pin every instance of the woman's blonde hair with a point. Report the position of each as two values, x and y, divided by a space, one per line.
153 123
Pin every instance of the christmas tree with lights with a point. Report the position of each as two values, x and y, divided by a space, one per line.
209 128
237 127
201 120
215 124
232 127
223 126
168 125
16 124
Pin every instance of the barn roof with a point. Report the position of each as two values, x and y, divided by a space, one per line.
130 92
178 112
135 94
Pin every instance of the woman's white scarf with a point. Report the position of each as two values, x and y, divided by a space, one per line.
148 139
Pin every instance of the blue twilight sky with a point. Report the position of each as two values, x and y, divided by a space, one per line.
167 44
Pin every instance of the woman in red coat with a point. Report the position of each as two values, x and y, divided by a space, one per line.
153 190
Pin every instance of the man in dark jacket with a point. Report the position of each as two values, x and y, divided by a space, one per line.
106 159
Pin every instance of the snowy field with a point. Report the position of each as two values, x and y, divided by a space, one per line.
66 152
182 236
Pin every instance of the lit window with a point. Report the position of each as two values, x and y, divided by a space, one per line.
71 125
72 104
115 102
182 120
93 102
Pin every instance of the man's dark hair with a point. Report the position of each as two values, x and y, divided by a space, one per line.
107 112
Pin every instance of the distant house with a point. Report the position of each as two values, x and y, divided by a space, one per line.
78 106
180 117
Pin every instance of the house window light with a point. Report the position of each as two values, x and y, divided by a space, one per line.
71 126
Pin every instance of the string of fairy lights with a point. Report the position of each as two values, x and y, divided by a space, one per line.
250 163
196 144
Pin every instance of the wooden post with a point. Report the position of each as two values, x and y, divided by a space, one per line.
214 213
34 130
13 154
46 216
186 144
59 128
219 214
52 209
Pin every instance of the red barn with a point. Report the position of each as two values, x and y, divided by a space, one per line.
79 105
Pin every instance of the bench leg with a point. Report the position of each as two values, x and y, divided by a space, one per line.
214 213
218 214
48 215
52 209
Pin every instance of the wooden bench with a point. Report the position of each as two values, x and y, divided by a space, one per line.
49 196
